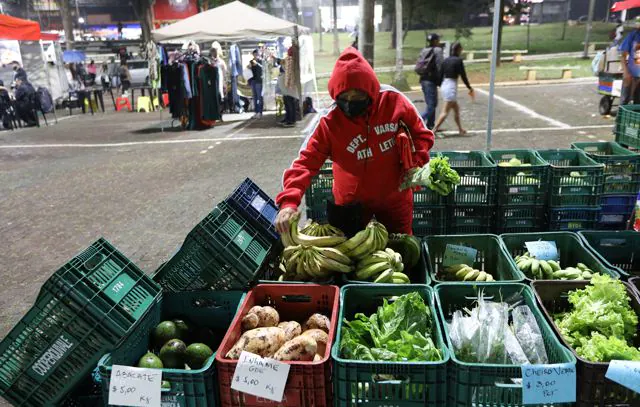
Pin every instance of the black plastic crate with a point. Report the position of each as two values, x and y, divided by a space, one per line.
470 219
524 185
257 207
429 220
318 212
520 219
618 250
321 187
478 177
573 219
223 252
576 180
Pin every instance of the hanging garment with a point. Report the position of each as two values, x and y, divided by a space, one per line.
174 84
186 80
210 99
235 61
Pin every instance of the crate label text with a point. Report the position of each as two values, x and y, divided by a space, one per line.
260 377
546 384
54 355
134 386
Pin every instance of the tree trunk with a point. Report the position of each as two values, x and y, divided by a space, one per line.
410 15
296 12
366 38
501 23
334 24
399 80
394 42
143 11
67 23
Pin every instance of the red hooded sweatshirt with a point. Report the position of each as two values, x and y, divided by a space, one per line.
366 159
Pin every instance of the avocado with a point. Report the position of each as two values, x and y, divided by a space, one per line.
184 330
197 355
164 332
173 354
151 361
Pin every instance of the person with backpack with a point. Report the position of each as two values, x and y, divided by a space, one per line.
428 68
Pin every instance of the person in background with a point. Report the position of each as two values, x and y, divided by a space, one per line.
125 78
113 73
92 71
630 69
19 72
25 96
369 133
452 69
256 83
430 77
289 95
120 27
5 106
104 77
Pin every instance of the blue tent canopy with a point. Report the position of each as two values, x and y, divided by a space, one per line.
73 56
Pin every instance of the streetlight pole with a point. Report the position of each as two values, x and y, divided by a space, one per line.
494 64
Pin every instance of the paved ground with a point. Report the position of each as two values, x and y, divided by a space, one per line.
121 177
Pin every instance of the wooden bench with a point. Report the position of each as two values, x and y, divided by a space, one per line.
593 45
531 71
517 53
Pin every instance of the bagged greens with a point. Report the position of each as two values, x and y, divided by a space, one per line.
400 330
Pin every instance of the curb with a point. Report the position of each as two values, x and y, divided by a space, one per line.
527 83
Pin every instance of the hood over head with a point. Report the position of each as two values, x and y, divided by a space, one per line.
352 71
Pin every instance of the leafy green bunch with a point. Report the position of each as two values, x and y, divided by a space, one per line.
442 178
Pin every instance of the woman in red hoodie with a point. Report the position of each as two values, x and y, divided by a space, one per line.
360 135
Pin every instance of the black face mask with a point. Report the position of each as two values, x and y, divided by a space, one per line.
15 68
353 108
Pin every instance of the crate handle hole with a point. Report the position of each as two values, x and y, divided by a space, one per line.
296 298
390 379
94 262
509 385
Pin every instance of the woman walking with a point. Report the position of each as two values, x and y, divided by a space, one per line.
452 69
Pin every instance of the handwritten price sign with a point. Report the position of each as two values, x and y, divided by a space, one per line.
133 386
454 254
543 250
545 384
626 373
261 377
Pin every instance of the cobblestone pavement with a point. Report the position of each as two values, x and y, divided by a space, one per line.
120 176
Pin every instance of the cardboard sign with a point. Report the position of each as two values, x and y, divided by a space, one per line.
454 254
134 386
261 377
543 250
626 373
547 384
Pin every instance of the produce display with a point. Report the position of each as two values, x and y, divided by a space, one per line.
402 329
169 348
522 178
264 335
408 246
442 179
463 272
497 332
551 269
600 324
325 251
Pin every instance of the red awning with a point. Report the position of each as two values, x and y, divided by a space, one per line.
625 5
12 28
49 36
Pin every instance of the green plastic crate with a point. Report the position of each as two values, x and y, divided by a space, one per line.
514 188
593 388
318 212
418 275
414 384
478 177
484 384
321 187
621 166
617 250
491 258
566 188
429 220
628 125
469 219
206 309
521 219
223 252
88 307
570 247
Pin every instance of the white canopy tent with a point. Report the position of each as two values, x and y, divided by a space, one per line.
237 21
230 22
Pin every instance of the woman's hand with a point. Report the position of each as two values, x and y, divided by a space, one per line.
283 220
472 95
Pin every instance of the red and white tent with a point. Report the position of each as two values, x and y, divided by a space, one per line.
12 28
625 5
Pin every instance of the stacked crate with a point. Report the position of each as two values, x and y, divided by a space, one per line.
621 182
575 186
521 192
470 208
628 126
319 192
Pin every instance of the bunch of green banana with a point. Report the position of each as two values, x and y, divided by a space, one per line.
305 263
382 266
537 269
373 238
463 272
580 272
319 230
295 237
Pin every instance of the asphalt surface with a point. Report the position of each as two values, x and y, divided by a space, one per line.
142 187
